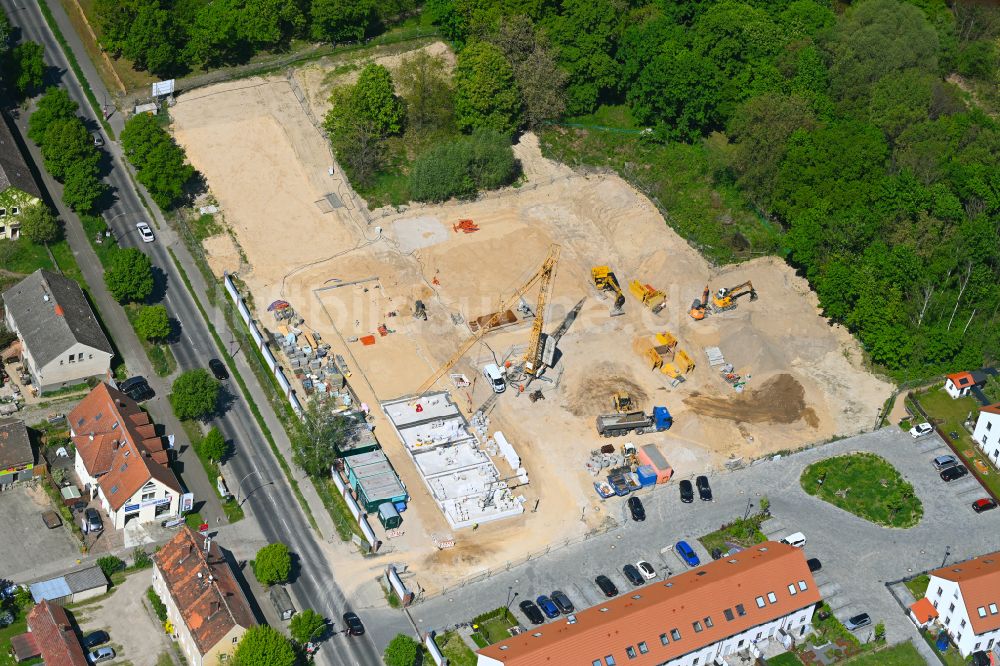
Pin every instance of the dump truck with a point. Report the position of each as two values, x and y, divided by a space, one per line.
618 425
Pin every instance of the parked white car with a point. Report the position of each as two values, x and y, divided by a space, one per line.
921 429
145 232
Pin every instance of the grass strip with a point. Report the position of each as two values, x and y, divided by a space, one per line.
253 407
75 66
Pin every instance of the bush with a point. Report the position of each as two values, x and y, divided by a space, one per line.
461 167
110 564
273 564
213 446
401 651
158 607
141 559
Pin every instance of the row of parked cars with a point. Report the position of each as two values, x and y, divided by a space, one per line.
687 496
950 469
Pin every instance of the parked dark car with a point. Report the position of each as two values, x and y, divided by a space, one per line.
218 369
814 565
352 623
548 606
95 638
858 621
717 553
704 490
137 388
984 504
953 472
636 509
562 601
633 575
92 519
687 491
607 587
531 611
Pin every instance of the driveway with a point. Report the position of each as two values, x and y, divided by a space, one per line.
135 636
858 557
26 543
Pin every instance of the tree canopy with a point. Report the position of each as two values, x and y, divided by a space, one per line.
262 645
39 225
307 625
318 437
194 394
152 322
401 651
161 165
272 564
130 275
213 445
486 94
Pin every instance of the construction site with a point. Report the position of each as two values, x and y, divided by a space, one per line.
564 314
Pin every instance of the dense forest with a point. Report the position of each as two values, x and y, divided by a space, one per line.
855 129
171 37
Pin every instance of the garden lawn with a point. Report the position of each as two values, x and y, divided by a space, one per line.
785 659
455 650
496 629
903 654
867 486
950 658
745 533
918 586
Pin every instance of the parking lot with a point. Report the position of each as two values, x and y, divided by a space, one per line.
857 556
27 544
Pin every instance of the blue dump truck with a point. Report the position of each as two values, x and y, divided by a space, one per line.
619 425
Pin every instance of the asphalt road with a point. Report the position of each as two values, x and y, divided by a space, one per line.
274 507
858 557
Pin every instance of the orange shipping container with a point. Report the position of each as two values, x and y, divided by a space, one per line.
649 454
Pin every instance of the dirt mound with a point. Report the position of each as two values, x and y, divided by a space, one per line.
780 399
592 395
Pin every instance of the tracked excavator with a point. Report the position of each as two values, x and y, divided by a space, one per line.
725 298
605 280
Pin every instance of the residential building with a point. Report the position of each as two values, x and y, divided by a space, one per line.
18 189
120 459
967 599
50 636
205 604
986 434
17 458
736 604
61 342
958 384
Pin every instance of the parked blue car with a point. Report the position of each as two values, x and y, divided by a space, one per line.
548 606
687 554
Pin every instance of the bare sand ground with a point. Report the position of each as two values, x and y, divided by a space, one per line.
267 165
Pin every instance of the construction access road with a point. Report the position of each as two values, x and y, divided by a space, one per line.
273 507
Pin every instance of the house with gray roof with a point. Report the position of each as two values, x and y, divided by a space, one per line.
61 342
17 458
18 189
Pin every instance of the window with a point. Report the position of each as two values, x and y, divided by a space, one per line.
60 362
729 614
963 624
989 425
148 495
664 640
114 489
740 610
977 646
90 356
740 644
235 641
675 634
3 212
947 621
597 662
760 602
14 210
958 636
697 626
643 648
71 357
630 652
989 646
982 611
935 604
2 228
993 609
695 662
79 357
771 597
951 608
709 623
609 660
939 591
803 586
791 590
759 634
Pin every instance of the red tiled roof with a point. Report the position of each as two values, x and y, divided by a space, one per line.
979 581
991 409
54 636
646 613
203 588
961 379
112 435
924 610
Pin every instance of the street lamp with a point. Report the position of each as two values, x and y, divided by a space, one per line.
510 599
947 552
749 507
239 487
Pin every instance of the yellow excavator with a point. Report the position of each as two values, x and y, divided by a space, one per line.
725 298
621 402
605 280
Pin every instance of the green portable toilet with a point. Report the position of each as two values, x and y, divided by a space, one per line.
388 516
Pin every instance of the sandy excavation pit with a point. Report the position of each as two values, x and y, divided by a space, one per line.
267 164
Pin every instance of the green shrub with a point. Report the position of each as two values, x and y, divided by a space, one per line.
110 564
158 607
461 167
141 559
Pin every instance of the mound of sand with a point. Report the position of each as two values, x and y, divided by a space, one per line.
780 399
592 395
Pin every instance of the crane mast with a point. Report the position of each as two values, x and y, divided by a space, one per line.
532 358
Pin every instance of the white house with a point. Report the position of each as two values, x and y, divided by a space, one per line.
987 432
967 599
120 459
959 384
61 342
737 604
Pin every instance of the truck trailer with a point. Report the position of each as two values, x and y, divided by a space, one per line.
618 425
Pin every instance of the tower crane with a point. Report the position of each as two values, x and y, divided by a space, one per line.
533 357
545 275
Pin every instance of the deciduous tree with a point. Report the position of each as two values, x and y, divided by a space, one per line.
26 67
39 225
194 394
82 189
213 445
307 625
273 564
341 20
486 95
152 322
130 276
262 645
317 439
53 106
401 651
425 87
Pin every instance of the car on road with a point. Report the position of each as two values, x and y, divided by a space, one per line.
136 388
984 504
607 587
531 611
636 509
560 599
687 553
548 606
814 564
687 492
218 369
353 625
646 569
633 575
942 462
95 638
98 139
145 233
920 430
101 654
953 472
798 539
704 490
92 521
857 621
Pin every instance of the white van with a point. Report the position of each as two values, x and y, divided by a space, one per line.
495 377
798 540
